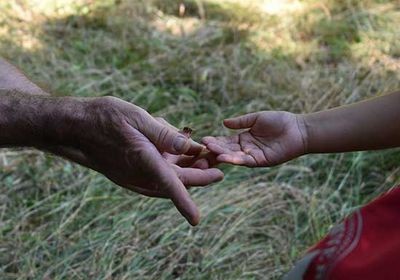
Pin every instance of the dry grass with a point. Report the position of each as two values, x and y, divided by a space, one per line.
193 66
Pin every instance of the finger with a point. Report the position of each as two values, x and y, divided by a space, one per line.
203 161
179 196
195 148
211 159
237 159
171 158
218 148
221 139
185 161
215 148
164 122
165 137
201 164
208 139
198 177
163 176
245 121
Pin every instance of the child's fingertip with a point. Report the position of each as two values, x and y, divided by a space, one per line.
215 148
223 158
207 139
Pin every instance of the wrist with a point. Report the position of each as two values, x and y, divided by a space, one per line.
303 126
76 121
314 130
62 120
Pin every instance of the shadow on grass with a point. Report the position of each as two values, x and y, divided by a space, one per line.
163 65
122 50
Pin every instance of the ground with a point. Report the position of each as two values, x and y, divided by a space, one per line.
193 63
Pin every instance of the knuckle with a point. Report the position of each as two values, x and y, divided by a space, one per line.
106 101
103 105
182 178
138 119
163 135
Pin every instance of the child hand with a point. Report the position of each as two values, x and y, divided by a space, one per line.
273 137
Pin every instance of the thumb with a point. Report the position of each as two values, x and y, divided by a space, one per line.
167 138
245 121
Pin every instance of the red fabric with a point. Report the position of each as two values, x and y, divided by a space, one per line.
365 246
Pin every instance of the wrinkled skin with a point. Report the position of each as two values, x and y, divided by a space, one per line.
271 138
134 150
114 137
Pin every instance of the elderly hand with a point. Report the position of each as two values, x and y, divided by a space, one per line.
133 149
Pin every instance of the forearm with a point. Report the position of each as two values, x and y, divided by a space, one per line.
29 116
37 121
368 125
11 79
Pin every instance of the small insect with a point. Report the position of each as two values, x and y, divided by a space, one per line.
204 153
187 131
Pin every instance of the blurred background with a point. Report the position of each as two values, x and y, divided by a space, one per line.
194 63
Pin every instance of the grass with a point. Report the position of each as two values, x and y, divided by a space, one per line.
194 67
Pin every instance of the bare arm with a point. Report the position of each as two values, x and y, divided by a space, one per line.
11 79
368 125
274 137
22 105
114 137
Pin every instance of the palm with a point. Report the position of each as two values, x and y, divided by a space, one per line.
148 169
273 138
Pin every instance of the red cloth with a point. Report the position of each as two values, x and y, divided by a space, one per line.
365 246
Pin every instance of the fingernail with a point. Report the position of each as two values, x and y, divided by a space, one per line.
180 143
